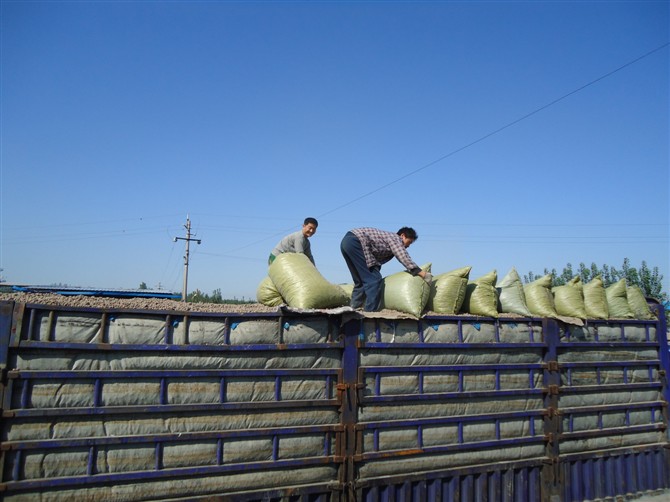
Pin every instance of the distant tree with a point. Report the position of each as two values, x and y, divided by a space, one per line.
143 285
198 296
648 279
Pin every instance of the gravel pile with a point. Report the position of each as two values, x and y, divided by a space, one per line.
161 304
82 301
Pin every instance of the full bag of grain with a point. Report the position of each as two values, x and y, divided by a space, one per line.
595 299
348 289
481 297
447 291
511 298
267 293
569 299
539 299
617 301
406 292
638 303
301 285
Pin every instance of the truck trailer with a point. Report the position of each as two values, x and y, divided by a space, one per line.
125 403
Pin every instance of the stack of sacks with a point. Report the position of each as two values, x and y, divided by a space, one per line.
594 301
300 285
406 292
511 297
293 280
583 301
481 297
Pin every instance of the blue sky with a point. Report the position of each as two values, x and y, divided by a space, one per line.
508 134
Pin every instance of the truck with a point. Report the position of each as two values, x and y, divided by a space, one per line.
106 401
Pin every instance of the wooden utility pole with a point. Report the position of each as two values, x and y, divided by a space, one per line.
188 239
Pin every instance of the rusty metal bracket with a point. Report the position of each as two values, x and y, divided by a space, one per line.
552 366
554 390
552 412
550 437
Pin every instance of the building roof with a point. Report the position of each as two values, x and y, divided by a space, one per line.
116 293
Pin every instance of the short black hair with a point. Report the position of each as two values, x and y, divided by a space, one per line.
312 221
408 232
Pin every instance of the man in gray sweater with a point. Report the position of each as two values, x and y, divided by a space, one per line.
297 242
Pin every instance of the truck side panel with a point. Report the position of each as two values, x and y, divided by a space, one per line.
153 405
149 406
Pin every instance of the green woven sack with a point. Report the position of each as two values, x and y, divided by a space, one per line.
595 300
407 293
447 291
302 285
481 297
638 303
539 299
617 301
511 298
569 299
348 289
267 293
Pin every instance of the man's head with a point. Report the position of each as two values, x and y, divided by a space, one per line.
309 227
408 236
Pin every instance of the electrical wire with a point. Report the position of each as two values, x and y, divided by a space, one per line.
496 131
469 145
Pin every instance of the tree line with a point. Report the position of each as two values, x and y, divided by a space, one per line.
198 296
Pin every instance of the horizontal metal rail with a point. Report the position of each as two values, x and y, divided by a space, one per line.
439 396
100 374
171 408
127 347
392 424
164 438
460 447
98 479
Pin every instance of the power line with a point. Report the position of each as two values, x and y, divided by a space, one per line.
496 131
472 143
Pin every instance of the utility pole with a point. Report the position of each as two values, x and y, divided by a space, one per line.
188 239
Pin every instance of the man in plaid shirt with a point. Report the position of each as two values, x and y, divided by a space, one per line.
365 250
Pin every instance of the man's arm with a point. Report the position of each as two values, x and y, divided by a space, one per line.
401 254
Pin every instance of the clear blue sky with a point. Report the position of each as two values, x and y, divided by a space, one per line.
120 118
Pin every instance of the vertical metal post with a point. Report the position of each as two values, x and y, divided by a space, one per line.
664 353
6 312
553 480
349 409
